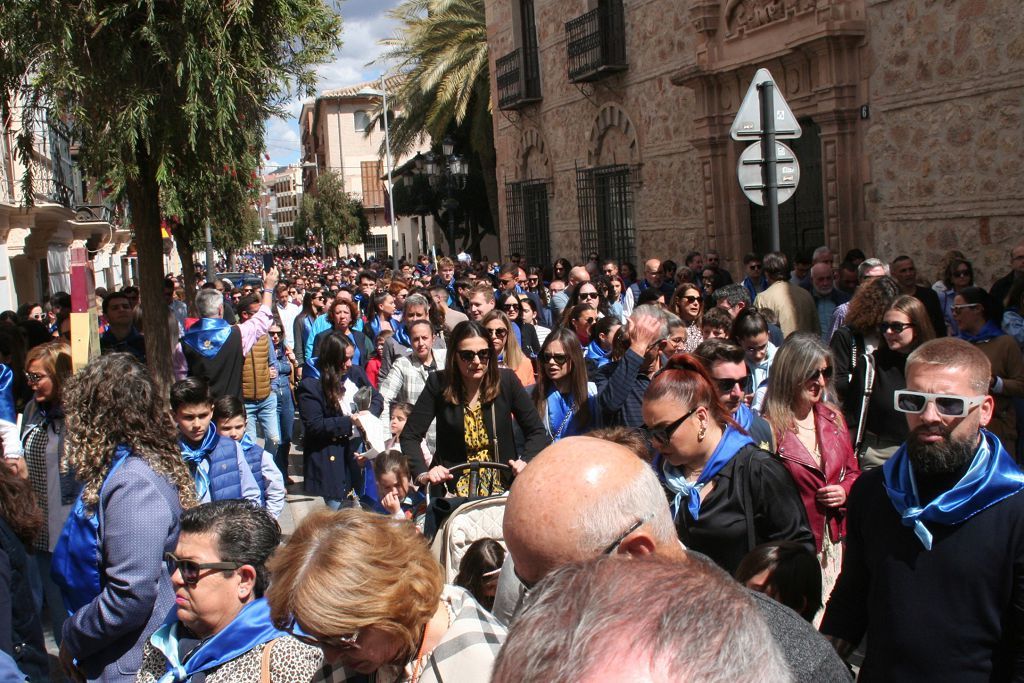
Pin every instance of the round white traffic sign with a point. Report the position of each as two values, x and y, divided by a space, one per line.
748 171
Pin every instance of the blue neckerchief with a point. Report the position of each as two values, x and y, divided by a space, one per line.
248 443
194 456
357 352
732 441
992 477
310 369
252 627
597 354
75 566
207 336
8 412
990 331
744 416
561 415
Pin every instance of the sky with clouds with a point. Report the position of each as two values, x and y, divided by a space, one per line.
364 24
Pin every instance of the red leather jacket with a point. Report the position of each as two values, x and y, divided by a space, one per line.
840 468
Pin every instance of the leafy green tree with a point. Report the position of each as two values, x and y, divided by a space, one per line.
443 86
337 215
303 225
152 89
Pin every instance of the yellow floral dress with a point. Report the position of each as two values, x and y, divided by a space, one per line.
478 449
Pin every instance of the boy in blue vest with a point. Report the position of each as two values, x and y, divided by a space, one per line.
217 464
229 416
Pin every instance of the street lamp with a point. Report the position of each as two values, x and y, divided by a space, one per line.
316 167
451 169
383 94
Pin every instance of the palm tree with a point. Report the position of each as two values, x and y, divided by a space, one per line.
443 81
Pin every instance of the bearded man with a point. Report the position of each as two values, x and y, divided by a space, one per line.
934 565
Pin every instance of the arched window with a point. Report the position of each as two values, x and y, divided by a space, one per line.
361 120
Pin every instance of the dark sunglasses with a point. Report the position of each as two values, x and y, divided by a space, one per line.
690 299
664 434
961 273
622 537
336 642
467 356
588 295
725 385
191 571
897 328
825 374
511 307
558 358
34 377
589 321
499 332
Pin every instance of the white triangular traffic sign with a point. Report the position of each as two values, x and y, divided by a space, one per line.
747 124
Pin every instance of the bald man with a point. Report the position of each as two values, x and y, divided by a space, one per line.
577 275
654 276
616 505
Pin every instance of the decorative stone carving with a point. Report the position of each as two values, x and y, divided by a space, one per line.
746 15
621 147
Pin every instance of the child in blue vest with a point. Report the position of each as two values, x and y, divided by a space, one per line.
398 496
217 464
229 416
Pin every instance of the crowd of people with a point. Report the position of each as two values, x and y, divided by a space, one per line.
767 477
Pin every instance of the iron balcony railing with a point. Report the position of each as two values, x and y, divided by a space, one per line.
518 78
596 42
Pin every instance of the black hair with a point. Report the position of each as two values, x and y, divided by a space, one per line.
649 296
245 533
794 575
992 309
228 407
110 297
712 351
190 391
749 322
482 557
604 326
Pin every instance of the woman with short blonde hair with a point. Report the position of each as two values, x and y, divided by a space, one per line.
367 591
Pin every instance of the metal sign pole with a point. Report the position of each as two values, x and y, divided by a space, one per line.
766 91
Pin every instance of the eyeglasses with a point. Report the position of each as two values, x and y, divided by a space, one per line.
274 333
507 282
886 327
947 405
961 273
34 377
823 373
511 307
191 571
618 541
690 299
960 307
725 385
589 321
558 358
588 295
664 434
348 642
753 266
467 356
40 316
499 332
756 349
533 280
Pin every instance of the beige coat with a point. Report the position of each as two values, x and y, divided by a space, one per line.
793 305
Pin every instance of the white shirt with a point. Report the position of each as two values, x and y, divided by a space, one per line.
288 313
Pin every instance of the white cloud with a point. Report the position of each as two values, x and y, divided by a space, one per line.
364 24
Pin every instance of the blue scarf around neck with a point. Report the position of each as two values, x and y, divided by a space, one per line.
8 412
207 336
993 476
990 331
252 627
194 456
730 444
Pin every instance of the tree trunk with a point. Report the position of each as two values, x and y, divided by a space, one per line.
187 254
144 199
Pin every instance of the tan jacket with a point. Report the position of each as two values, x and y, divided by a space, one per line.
256 371
793 305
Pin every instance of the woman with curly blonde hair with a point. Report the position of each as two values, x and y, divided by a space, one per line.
109 562
365 589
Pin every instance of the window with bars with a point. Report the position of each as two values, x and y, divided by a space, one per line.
373 187
377 245
605 198
529 230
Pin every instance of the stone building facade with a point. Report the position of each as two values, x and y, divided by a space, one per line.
612 126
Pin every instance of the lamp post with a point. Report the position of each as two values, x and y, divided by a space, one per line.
383 94
453 170
316 168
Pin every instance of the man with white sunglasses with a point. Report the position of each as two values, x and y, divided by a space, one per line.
933 572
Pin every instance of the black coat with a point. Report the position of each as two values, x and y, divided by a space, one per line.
21 634
512 402
328 466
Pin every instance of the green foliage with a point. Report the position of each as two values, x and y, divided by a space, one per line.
335 212
303 225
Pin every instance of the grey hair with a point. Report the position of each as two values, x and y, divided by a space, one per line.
868 264
654 311
641 498
673 321
209 302
685 619
416 300
820 251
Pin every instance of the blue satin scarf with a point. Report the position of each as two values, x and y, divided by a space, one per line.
744 416
250 628
8 413
993 476
990 331
732 441
597 354
207 336
310 369
194 456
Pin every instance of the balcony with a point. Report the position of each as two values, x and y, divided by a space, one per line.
518 78
596 43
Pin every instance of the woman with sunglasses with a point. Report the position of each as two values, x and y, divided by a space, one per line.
506 348
512 305
313 303
813 444
879 430
728 495
958 276
565 400
585 294
580 319
220 628
474 403
535 284
365 589
109 559
688 303
978 314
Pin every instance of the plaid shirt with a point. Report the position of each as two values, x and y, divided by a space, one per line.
465 654
404 384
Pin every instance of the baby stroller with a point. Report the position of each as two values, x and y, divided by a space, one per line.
465 520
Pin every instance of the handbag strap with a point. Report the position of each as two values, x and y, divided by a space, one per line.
869 385
265 664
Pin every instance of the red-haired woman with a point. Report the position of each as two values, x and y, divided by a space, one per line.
730 496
